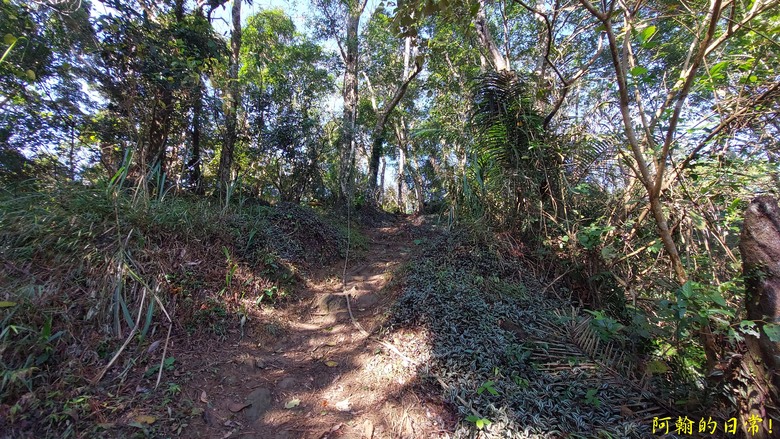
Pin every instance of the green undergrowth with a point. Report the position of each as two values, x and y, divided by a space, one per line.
86 270
518 363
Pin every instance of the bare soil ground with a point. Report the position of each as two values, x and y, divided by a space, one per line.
305 370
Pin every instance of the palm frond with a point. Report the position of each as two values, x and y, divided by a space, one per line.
504 119
576 344
592 154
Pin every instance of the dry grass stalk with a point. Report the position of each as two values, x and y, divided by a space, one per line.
124 345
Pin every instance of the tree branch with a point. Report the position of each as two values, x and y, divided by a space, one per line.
742 112
373 92
713 16
568 83
548 26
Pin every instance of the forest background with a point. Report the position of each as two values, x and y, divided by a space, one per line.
613 146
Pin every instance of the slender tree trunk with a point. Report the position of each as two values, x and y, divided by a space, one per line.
159 129
162 112
232 99
405 162
193 166
418 189
654 180
72 154
373 164
158 132
382 182
178 10
380 127
401 170
541 37
350 94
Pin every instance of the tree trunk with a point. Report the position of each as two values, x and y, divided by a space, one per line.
373 163
232 99
403 155
760 248
195 176
72 154
350 94
178 10
158 131
382 182
653 181
495 57
381 122
418 189
405 162
401 164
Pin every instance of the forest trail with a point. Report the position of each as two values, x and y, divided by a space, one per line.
306 370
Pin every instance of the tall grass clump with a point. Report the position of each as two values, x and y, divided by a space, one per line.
91 275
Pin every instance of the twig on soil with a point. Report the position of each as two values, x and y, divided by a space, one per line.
167 339
165 350
352 317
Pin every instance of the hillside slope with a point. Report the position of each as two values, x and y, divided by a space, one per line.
159 318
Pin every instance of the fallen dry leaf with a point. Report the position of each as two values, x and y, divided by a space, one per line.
343 406
236 407
292 403
153 347
203 398
368 429
145 419
331 363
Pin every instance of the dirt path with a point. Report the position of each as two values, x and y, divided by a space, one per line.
306 371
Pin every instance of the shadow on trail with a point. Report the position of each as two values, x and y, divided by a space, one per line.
305 370
510 358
